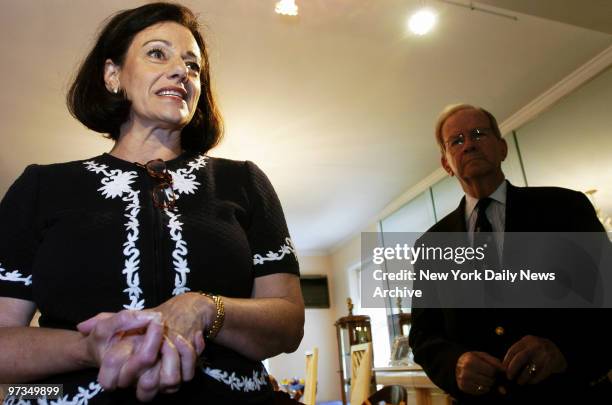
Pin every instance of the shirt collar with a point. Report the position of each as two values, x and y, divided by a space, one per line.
498 195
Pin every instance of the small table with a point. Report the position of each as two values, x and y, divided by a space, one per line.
411 376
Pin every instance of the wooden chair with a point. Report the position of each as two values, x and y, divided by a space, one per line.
310 382
361 372
273 383
391 394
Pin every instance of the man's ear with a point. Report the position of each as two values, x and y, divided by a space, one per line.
504 149
111 76
446 166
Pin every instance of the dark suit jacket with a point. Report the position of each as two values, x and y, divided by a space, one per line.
440 336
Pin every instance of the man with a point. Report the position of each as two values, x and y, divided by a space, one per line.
509 356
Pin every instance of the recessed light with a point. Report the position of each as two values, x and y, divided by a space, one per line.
422 21
286 7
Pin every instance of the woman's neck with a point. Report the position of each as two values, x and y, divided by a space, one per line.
138 144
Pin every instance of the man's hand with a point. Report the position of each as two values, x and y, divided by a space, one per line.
475 372
533 359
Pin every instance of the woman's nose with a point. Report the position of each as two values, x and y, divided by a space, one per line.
179 70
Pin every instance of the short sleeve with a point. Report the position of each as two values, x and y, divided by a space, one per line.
271 245
19 235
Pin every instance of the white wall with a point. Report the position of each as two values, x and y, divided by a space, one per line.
570 145
319 331
342 260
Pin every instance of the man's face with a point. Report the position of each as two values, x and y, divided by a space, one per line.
471 149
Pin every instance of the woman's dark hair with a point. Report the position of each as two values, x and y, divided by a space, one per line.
90 102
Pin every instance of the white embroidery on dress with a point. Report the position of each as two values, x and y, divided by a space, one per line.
82 398
272 256
131 252
117 183
180 252
183 182
14 275
95 167
15 401
239 383
197 163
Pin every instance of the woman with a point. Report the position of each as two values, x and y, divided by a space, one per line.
176 268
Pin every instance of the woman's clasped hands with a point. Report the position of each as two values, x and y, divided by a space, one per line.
154 350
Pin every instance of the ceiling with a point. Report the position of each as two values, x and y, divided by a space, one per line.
337 106
592 14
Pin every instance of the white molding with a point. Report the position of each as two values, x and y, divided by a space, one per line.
394 205
412 192
566 86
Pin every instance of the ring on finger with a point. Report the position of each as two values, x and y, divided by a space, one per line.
171 389
532 368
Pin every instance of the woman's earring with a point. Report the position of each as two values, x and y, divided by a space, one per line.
116 90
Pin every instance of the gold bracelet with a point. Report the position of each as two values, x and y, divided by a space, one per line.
216 325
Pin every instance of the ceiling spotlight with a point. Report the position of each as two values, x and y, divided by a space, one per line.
286 7
422 21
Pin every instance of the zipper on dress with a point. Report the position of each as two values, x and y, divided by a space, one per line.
158 266
157 225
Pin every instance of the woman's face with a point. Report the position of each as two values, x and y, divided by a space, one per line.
160 76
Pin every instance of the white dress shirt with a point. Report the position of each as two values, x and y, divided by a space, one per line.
496 214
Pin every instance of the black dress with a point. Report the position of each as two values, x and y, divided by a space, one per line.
84 237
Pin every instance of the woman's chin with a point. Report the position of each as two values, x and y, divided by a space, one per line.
176 120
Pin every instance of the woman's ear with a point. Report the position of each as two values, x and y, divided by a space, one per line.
111 76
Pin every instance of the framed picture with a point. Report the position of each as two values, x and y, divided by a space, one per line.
400 351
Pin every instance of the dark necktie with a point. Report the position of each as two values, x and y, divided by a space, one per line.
483 234
482 222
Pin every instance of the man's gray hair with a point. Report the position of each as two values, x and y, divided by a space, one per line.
451 109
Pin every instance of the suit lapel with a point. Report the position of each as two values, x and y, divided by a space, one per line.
456 221
515 211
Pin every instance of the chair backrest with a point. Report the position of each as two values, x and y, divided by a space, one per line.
273 383
310 383
390 394
361 372
357 354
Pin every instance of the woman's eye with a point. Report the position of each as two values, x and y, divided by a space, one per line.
193 66
156 53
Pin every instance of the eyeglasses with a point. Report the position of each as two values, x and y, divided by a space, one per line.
476 135
163 193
